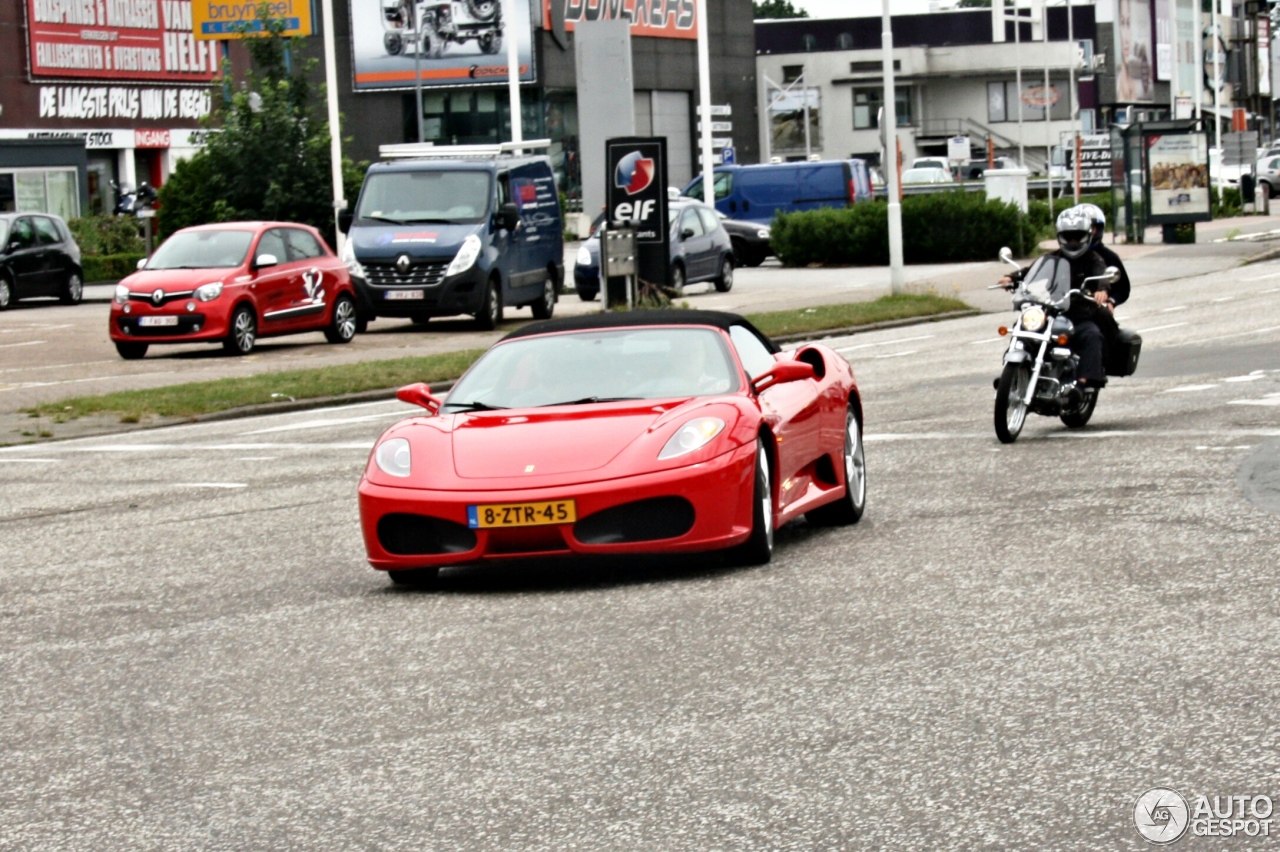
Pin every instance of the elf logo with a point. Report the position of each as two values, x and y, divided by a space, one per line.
638 211
634 173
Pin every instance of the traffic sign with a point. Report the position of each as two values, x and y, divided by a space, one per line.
718 127
728 156
717 109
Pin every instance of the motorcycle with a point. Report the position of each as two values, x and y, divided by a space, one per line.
129 201
1039 373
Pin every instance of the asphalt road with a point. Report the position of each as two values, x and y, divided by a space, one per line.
1014 644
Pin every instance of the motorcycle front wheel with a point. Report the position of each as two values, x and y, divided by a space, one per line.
1011 408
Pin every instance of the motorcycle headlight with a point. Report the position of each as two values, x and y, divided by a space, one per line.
584 257
122 294
348 256
466 256
209 292
694 435
392 457
1033 318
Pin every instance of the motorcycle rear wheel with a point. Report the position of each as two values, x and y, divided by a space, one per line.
1011 409
1079 417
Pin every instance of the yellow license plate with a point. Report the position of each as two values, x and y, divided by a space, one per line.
521 514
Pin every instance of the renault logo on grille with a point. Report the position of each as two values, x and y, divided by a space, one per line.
403 263
157 296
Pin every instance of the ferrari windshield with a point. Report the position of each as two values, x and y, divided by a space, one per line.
442 197
211 249
597 366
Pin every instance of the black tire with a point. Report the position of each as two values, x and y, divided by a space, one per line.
588 295
392 44
483 10
756 257
849 508
490 315
758 549
740 250
130 351
415 578
546 306
491 43
724 282
7 297
342 327
73 289
1078 418
431 43
1011 411
677 280
362 324
243 333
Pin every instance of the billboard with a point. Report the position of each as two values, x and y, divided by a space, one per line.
636 192
1095 160
136 40
652 18
460 43
1178 177
1133 52
238 19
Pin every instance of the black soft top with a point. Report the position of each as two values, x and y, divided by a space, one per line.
631 319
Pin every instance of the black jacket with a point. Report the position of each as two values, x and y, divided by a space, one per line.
1085 266
1120 289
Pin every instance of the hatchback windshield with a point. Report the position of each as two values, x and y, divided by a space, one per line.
425 197
220 249
4 233
597 366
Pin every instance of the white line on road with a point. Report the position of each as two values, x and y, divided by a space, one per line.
57 366
211 485
24 343
1252 377
324 424
898 354
1266 330
1161 327
1174 308
29 385
1272 290
884 343
1270 401
1223 299
29 461
1261 277
986 340
1189 388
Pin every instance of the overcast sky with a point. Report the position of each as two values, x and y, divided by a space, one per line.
859 8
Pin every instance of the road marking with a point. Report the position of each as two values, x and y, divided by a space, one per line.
884 343
24 343
1161 327
1175 308
985 340
1252 377
1270 400
28 385
30 461
324 424
1220 449
57 366
1272 290
1223 299
257 458
1189 388
1227 336
1261 277
898 354
211 485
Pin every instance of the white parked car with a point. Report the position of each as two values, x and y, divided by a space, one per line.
925 175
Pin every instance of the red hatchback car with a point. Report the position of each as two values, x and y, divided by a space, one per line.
233 283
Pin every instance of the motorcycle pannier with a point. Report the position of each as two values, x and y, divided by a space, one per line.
1122 353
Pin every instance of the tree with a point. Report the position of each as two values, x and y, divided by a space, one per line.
777 9
270 159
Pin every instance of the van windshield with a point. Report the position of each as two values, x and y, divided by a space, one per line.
422 197
723 186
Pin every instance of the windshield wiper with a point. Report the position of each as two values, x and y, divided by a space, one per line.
384 219
475 406
590 399
430 222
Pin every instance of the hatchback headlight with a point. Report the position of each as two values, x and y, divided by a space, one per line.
466 256
1033 318
209 292
122 294
694 435
392 457
584 256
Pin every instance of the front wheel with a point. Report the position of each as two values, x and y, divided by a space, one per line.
758 549
490 315
6 293
1080 416
343 325
131 351
491 43
244 332
849 508
546 306
392 44
725 282
587 295
677 280
73 290
1011 406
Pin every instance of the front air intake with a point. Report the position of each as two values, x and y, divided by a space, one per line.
643 520
416 535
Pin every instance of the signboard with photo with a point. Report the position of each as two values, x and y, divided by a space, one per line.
1133 51
1095 160
1177 178
449 42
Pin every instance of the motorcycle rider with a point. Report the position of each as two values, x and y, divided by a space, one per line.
1120 289
1091 316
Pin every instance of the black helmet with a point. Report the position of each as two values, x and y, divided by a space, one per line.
1075 232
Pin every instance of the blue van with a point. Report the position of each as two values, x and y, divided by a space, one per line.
443 235
755 193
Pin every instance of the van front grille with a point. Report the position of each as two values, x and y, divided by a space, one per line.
426 274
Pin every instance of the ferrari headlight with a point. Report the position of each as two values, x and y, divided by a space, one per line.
466 256
209 292
584 257
392 457
122 294
1033 318
348 256
693 435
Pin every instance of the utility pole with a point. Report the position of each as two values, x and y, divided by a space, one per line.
1073 112
1048 108
417 64
1217 90
1017 58
513 72
890 151
335 132
704 109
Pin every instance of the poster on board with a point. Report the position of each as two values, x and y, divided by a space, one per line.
451 42
1134 55
1178 177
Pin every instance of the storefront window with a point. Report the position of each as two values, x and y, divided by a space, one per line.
31 193
63 195
54 191
786 119
8 203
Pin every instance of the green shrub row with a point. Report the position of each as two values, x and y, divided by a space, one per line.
109 267
104 235
943 227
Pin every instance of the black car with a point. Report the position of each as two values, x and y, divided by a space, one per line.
750 240
38 257
700 251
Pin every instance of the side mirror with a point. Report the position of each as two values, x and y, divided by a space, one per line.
1113 274
686 234
1006 255
782 373
142 261
265 260
345 218
420 394
509 216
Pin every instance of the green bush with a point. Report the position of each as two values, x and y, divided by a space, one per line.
102 235
1226 202
109 267
943 227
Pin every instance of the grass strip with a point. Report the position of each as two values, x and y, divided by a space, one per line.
195 398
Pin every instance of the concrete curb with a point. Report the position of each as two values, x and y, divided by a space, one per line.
845 331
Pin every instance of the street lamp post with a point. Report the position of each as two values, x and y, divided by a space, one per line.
704 109
513 71
335 132
891 151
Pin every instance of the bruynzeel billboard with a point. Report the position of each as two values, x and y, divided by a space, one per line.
653 18
118 40
461 43
240 18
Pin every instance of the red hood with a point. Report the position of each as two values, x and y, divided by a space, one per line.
169 280
494 446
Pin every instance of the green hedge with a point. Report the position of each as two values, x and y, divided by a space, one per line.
109 267
943 227
105 235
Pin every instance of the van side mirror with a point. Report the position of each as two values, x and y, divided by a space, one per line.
345 218
782 373
419 394
509 216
